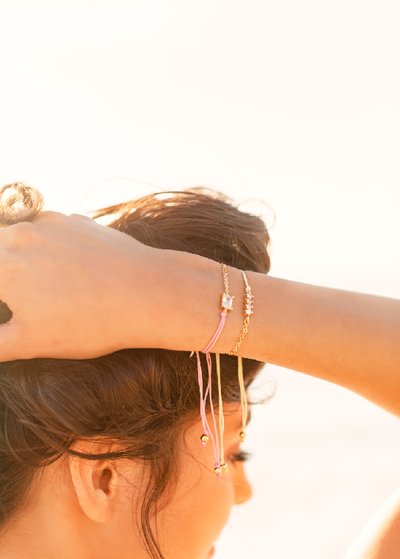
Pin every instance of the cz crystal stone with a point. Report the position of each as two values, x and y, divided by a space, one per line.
227 302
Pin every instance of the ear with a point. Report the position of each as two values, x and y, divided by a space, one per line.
95 481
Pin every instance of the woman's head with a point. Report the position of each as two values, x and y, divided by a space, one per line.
125 428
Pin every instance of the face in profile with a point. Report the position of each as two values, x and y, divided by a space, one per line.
92 508
201 507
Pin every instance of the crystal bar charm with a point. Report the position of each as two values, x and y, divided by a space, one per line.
226 302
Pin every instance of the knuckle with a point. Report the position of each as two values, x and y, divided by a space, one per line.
50 217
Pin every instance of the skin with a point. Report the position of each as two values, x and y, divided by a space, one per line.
381 537
97 291
89 514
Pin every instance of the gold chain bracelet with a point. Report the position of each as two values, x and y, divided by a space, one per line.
248 311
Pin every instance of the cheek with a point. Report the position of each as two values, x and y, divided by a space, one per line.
211 501
199 517
200 509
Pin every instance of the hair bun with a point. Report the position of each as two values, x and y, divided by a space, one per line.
19 202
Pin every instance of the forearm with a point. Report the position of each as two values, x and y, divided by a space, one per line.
97 290
347 338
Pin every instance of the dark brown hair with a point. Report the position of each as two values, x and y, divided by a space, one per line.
138 398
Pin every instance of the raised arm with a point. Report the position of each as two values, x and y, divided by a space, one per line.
79 290
343 337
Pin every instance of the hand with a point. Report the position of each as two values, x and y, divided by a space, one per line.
66 280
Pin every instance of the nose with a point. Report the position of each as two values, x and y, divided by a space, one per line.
243 490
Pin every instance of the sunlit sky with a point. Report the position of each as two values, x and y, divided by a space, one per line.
294 103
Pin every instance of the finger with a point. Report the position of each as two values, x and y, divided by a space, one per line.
14 236
50 217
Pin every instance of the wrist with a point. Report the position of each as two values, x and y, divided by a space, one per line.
188 303
172 299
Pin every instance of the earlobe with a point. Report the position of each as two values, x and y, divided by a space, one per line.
94 482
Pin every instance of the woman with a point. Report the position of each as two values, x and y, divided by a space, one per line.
108 457
97 291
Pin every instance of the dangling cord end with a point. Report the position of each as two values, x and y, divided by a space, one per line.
218 470
214 440
223 465
205 436
243 399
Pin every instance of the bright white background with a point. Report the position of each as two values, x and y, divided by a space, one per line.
295 103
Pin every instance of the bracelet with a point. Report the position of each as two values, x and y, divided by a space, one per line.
226 306
248 311
220 467
218 444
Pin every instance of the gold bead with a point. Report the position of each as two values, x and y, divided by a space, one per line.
217 471
204 438
224 467
242 435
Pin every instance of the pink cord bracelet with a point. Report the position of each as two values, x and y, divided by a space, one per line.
218 331
226 306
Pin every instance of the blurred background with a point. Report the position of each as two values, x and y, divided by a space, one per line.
293 103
